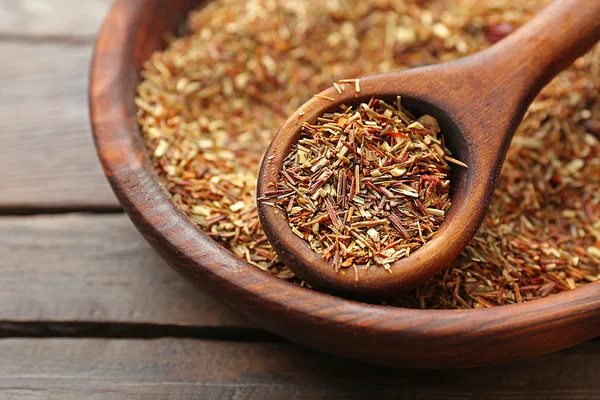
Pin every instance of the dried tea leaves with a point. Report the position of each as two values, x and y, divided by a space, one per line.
366 185
209 104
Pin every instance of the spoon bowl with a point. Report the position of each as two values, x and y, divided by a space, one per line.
479 102
452 236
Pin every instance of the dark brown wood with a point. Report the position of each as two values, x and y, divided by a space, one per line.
47 158
210 370
95 268
479 100
378 334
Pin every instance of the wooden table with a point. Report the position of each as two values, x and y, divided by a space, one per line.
89 311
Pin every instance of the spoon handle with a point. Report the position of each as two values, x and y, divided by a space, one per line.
549 43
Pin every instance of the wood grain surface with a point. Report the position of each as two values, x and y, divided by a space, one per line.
197 369
47 159
95 268
51 20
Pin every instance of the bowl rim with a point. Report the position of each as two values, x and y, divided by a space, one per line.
246 287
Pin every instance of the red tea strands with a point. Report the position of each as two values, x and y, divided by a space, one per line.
209 104
367 185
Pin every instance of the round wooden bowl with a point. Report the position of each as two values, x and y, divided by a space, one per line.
384 335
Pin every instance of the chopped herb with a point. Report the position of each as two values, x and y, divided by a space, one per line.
216 96
355 138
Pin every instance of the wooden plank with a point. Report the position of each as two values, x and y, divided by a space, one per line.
48 158
171 368
77 19
95 268
48 155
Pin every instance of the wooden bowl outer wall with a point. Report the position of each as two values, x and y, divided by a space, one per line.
133 30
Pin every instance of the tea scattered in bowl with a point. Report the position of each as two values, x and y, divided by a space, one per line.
209 104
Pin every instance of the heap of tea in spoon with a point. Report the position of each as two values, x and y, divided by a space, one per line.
367 185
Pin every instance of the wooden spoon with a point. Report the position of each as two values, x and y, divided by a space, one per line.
479 101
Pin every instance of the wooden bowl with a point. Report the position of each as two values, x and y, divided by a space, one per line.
384 335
